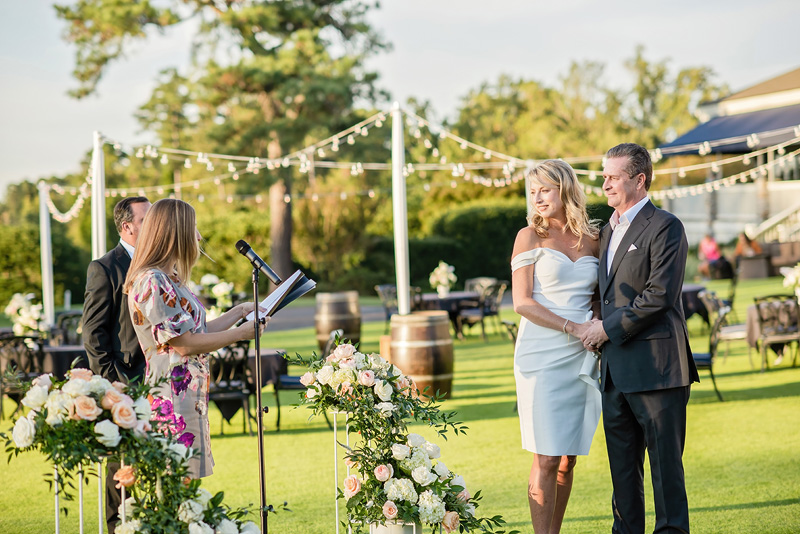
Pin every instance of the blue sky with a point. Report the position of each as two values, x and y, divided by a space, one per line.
442 49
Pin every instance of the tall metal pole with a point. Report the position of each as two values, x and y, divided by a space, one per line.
98 198
262 480
46 252
400 212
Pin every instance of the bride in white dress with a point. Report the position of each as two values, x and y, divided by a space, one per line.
554 281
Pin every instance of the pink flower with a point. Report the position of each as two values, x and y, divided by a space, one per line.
124 415
463 495
450 521
83 374
119 386
352 485
389 510
384 472
113 396
307 379
367 378
125 476
350 463
344 351
84 408
345 389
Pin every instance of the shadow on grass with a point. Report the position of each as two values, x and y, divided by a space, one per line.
746 506
749 394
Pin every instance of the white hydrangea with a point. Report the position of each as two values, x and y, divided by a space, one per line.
99 385
342 376
130 502
418 458
77 387
431 508
130 527
361 360
190 511
249 528
400 489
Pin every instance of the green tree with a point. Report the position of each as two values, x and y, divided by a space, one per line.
297 70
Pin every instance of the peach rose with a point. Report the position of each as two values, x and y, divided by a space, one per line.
119 386
367 378
85 408
345 389
83 374
124 415
464 495
450 521
352 485
344 351
350 463
111 397
389 510
125 476
384 472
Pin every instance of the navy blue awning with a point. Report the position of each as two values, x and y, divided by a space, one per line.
771 126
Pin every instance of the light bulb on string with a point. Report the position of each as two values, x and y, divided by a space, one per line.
235 176
320 152
229 199
335 145
286 162
463 145
140 153
209 166
426 187
231 167
287 198
781 151
164 159
258 199
427 143
371 193
746 159
364 131
453 184
487 154
196 185
201 198
443 160
435 152
160 190
187 163
351 140
342 196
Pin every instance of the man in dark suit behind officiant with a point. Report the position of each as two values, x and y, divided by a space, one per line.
108 335
646 363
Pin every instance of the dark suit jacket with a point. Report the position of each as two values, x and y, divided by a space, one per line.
108 333
648 347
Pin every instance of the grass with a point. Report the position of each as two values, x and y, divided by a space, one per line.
741 459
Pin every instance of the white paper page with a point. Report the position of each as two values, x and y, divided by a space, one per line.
272 300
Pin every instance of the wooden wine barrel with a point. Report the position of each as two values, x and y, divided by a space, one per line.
422 348
338 311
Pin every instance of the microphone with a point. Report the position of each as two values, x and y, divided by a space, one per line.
245 250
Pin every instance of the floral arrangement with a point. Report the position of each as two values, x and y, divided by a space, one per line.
399 476
25 315
217 291
442 278
86 418
791 278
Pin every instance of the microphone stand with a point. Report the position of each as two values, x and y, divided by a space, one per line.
261 411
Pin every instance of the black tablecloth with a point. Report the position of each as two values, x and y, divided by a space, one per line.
690 295
452 303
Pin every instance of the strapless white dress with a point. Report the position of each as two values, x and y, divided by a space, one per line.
558 395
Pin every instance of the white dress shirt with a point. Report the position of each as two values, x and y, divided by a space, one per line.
619 226
127 247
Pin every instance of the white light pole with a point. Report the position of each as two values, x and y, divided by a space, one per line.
98 198
46 252
400 212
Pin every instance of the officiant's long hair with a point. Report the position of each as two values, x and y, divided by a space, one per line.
167 241
559 174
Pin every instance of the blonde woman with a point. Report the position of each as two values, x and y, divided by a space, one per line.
170 323
554 282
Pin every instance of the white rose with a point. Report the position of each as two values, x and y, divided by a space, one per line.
432 449
441 470
43 381
23 433
344 351
307 379
415 440
400 451
203 496
179 450
325 374
99 385
142 408
226 526
383 390
107 433
386 408
130 502
200 528
311 393
190 511
458 480
249 528
423 476
35 398
209 279
360 359
131 527
77 387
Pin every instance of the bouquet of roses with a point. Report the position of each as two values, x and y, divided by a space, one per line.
443 276
85 419
399 476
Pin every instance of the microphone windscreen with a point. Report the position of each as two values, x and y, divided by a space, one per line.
242 246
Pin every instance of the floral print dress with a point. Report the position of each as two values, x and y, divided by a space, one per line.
162 308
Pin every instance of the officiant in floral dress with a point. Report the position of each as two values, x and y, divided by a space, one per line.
170 323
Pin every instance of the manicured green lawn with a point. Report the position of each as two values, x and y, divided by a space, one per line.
742 456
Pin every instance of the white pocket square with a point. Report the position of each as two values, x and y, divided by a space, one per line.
632 247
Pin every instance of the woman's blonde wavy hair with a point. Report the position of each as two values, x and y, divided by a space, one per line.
167 241
557 173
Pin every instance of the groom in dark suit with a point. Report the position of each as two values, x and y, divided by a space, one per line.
108 334
646 363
